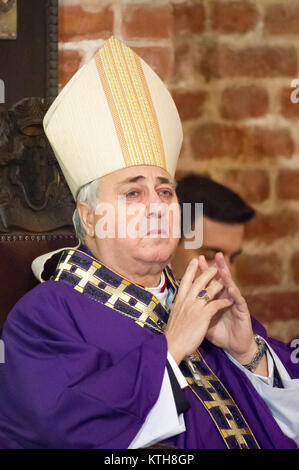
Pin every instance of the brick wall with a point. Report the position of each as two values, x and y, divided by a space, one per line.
229 65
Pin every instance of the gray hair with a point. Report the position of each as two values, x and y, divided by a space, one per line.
89 194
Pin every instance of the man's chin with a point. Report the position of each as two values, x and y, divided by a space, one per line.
155 253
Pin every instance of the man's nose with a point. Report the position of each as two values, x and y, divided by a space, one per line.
154 206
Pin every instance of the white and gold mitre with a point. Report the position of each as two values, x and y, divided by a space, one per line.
115 112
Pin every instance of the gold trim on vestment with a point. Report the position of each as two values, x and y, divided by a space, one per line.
142 312
131 105
88 276
217 401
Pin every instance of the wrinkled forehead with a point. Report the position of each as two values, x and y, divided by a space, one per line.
139 173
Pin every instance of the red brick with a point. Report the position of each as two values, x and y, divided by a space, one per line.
241 102
264 61
261 269
187 57
282 19
161 59
76 23
234 17
283 330
69 63
288 184
295 267
146 21
179 174
189 103
252 185
269 227
188 18
274 305
260 142
288 108
214 140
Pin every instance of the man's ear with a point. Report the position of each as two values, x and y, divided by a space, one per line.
86 213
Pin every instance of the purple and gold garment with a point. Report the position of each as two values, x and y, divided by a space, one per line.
85 357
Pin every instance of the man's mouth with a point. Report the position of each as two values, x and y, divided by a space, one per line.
155 233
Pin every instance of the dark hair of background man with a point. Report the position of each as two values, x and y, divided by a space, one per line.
220 203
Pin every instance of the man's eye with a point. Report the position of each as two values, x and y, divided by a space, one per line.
210 257
166 193
131 194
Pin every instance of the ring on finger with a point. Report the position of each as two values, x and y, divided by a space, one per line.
203 295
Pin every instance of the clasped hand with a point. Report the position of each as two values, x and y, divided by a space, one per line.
224 320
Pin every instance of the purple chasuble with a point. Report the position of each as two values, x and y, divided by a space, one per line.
84 364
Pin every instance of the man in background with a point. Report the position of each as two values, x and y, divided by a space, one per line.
224 217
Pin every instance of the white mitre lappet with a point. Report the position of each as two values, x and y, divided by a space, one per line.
114 113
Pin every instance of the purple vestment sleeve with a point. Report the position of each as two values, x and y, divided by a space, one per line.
204 434
284 351
77 373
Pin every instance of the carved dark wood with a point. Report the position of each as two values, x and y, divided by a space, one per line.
29 63
5 6
52 49
34 196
